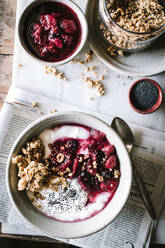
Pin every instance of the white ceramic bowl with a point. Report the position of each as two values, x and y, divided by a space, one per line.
53 228
80 16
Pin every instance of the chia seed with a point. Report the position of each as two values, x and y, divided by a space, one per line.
144 95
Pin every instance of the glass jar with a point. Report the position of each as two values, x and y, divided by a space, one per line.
123 39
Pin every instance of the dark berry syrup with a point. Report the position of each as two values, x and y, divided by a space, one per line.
52 31
93 161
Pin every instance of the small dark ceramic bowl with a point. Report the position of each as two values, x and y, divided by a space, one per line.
155 106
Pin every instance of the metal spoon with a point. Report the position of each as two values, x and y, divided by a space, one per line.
125 133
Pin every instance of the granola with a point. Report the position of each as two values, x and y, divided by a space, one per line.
32 172
95 84
35 172
137 16
133 23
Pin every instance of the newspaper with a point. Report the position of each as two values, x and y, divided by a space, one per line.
133 227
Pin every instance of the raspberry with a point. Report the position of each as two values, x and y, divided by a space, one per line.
48 50
111 162
108 150
37 33
54 32
57 42
48 21
110 186
69 26
67 39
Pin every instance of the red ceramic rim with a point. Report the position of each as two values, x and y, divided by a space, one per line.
158 102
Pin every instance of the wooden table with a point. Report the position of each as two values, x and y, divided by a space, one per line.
7 27
7 24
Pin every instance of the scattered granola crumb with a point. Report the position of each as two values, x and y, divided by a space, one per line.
60 75
91 98
53 70
102 77
50 69
76 61
20 65
52 111
95 84
90 68
35 104
105 70
41 113
88 56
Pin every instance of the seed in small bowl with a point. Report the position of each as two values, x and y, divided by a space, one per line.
145 96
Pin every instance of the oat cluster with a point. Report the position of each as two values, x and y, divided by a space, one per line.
32 169
95 84
53 70
139 16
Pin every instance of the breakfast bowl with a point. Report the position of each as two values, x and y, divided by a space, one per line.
74 124
52 31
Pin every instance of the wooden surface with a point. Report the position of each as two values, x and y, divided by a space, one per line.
7 25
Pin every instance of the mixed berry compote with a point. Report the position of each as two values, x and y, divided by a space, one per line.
90 163
52 31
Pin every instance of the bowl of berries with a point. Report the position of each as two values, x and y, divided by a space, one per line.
52 31
69 174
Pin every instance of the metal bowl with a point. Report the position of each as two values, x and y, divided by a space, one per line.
47 225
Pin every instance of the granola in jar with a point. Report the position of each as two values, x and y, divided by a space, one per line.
131 25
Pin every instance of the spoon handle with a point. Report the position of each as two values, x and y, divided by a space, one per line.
144 194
